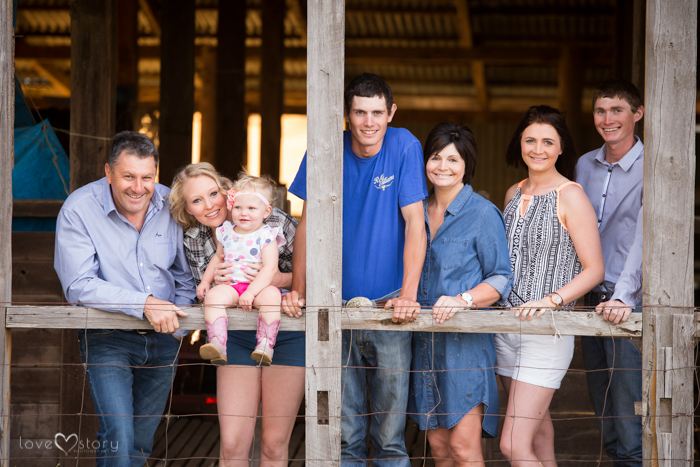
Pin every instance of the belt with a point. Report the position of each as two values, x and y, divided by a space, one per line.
143 332
594 298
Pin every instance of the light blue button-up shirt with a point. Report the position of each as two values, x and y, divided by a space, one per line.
616 193
104 262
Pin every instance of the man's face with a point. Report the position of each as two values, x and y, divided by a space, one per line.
614 119
368 118
133 181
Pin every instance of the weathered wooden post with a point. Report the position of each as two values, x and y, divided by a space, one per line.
176 86
7 151
272 87
669 181
324 87
93 81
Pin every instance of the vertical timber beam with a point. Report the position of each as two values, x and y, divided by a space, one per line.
206 103
93 54
570 91
7 152
127 63
324 89
639 14
272 87
176 86
669 181
231 123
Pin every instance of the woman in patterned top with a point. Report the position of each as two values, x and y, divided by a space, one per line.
198 203
556 258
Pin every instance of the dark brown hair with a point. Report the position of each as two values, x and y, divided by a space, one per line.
367 85
620 88
566 163
447 133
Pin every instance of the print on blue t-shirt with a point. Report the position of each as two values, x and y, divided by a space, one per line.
374 191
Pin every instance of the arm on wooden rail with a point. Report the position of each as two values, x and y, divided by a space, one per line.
485 321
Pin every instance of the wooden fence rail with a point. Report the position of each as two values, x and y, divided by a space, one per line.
566 323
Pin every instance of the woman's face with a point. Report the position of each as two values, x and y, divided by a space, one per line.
540 146
204 201
445 169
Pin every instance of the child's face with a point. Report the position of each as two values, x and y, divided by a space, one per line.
248 212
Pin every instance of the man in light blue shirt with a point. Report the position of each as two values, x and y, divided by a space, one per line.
118 249
613 177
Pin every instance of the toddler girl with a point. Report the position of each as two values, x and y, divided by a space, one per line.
244 241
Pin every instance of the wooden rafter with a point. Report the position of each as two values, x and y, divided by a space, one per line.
58 79
147 10
297 17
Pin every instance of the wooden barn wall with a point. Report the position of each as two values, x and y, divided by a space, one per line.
35 378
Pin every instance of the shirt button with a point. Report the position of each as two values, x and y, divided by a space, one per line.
426 269
604 195
610 169
599 221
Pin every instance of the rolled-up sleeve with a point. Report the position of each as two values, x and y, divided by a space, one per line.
78 269
492 251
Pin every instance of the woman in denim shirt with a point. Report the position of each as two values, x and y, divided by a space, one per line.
466 266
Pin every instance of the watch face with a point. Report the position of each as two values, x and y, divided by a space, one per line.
556 298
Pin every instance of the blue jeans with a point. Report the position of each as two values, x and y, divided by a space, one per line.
364 353
615 362
130 375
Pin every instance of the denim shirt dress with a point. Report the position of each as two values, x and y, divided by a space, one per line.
454 372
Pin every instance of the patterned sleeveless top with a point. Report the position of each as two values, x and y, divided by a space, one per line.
542 254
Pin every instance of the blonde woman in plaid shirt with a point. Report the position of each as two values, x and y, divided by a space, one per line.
198 203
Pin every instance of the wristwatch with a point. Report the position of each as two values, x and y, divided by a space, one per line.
556 299
467 297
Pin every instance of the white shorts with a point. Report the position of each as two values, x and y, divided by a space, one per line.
538 360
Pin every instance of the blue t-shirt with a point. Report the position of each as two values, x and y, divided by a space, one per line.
374 191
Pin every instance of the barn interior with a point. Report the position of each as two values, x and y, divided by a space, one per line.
225 82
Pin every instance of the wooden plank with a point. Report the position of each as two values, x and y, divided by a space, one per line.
176 87
210 432
231 117
7 142
682 403
272 87
36 207
93 87
35 277
324 88
669 178
484 321
34 420
33 246
184 446
26 389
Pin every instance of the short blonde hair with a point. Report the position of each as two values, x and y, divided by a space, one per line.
264 184
177 199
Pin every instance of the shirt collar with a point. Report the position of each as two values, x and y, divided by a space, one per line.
628 159
457 204
157 199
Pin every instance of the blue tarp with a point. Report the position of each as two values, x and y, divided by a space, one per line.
40 172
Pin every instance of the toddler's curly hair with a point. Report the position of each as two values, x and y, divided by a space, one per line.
264 185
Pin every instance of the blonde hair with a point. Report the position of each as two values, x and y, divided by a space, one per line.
177 199
264 184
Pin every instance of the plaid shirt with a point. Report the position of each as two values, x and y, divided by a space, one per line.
200 246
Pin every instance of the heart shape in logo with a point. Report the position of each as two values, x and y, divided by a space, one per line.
66 441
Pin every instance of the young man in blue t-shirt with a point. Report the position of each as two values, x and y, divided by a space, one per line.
384 244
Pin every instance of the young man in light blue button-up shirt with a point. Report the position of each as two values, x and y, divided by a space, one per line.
118 249
613 177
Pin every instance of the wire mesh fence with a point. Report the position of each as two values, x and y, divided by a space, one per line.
188 433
